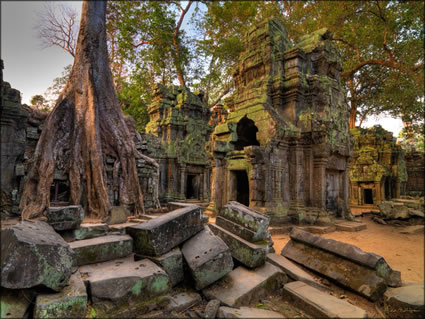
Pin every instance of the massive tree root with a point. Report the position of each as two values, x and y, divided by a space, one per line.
85 126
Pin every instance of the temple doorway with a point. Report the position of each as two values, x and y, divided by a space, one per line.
192 187
242 187
368 196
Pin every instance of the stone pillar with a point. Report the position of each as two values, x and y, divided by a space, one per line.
377 200
283 148
297 175
183 181
346 190
308 169
319 182
217 184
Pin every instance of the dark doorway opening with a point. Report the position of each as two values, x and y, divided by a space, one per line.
192 187
242 187
247 134
59 191
387 189
368 196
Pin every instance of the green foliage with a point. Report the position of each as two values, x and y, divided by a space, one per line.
52 92
40 103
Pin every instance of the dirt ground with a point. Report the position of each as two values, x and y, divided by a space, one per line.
402 252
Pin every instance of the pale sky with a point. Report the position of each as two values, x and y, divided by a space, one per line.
31 70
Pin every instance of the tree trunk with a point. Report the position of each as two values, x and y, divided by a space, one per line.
85 126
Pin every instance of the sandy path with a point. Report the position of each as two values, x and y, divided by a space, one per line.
402 252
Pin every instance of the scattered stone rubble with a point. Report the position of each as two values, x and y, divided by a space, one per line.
401 212
175 265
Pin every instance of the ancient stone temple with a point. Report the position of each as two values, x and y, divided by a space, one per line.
377 168
176 136
285 146
415 166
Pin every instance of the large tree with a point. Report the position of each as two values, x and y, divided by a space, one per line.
85 126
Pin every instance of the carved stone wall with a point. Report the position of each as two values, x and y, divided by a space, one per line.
287 128
176 136
415 166
378 170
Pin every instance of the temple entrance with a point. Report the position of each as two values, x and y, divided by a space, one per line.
247 134
368 196
192 187
242 187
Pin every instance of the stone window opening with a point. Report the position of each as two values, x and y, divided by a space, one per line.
368 196
59 191
247 134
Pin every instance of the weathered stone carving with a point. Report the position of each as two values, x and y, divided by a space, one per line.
285 144
377 169
176 136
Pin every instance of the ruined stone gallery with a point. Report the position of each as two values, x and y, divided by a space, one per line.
100 220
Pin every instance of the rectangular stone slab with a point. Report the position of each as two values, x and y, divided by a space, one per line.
66 217
349 252
236 229
246 217
208 258
71 302
171 262
249 254
95 250
87 231
245 312
360 278
293 271
159 235
320 304
243 286
123 284
350 226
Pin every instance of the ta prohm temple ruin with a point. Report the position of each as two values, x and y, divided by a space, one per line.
285 146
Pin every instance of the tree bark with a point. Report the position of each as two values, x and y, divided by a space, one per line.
85 126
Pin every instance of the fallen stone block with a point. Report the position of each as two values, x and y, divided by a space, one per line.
248 218
159 235
208 258
33 254
16 303
249 254
350 252
293 271
211 309
182 301
121 228
95 250
405 302
416 212
411 230
124 287
245 312
85 231
320 304
243 286
358 277
318 229
117 215
236 229
171 262
71 302
66 217
350 226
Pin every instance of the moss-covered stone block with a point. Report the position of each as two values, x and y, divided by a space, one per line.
71 302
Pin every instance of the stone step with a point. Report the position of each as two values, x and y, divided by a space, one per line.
207 257
293 271
243 286
320 304
405 302
124 287
159 235
344 225
85 231
245 312
99 249
249 254
122 228
71 302
182 301
318 229
238 230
